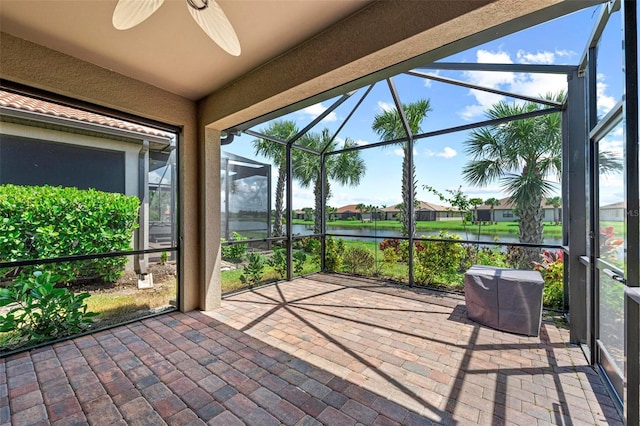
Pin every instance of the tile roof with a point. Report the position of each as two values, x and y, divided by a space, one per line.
506 204
24 103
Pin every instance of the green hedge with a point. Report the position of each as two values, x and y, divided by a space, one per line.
47 222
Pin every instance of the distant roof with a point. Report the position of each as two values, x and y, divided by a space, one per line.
351 208
422 206
618 205
506 204
24 103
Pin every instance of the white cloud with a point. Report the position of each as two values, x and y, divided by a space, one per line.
427 82
344 198
358 142
314 111
400 152
447 153
535 58
605 103
534 85
385 106
544 57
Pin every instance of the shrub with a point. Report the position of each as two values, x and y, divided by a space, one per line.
312 246
389 243
234 253
391 256
299 257
38 311
279 262
440 261
253 270
483 256
552 270
334 250
48 222
358 259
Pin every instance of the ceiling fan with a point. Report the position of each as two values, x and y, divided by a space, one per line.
207 13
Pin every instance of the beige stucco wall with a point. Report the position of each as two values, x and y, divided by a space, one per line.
33 65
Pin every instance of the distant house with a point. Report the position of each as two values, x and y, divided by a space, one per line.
504 212
345 212
614 212
425 211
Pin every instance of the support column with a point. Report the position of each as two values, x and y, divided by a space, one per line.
323 213
210 207
289 227
142 236
632 197
574 218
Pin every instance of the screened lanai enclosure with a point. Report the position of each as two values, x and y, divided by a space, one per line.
245 201
587 155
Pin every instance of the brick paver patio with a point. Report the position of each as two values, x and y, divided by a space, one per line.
321 350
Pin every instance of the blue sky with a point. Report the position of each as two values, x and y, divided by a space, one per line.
439 160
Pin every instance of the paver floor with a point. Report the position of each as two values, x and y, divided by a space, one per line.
326 349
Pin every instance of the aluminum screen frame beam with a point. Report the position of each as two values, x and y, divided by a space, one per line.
482 88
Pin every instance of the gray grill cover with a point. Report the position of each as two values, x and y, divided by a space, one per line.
506 299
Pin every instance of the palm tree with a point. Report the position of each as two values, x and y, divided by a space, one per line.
346 168
475 202
372 210
389 126
330 212
556 202
523 155
284 130
361 208
492 203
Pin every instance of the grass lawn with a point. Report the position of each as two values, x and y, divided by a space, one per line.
231 279
119 306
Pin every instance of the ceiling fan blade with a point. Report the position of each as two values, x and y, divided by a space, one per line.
214 22
129 13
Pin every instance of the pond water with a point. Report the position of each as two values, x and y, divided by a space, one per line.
365 234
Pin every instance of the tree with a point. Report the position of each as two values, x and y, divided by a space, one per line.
330 212
475 202
373 210
361 208
388 125
458 201
556 202
522 155
276 152
308 211
346 168
492 203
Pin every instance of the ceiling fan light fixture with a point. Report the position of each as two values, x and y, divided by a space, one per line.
198 4
207 14
215 24
129 13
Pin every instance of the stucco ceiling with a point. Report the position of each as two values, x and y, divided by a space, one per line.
169 50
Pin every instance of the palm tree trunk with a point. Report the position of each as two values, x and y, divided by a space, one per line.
530 225
408 187
319 202
277 218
